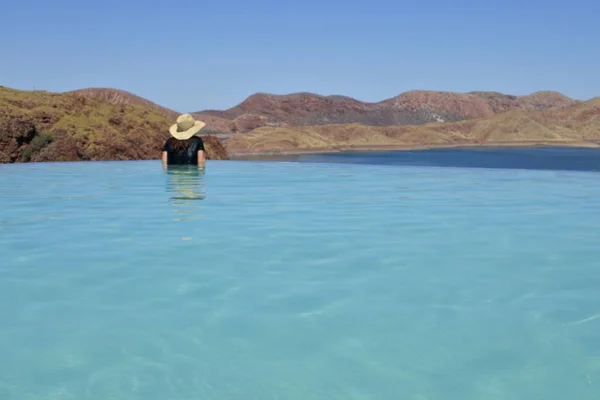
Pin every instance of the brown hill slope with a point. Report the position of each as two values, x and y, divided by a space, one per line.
410 108
536 101
117 96
214 124
578 124
43 126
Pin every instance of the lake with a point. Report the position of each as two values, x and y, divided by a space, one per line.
443 275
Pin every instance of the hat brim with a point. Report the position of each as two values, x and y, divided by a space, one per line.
186 134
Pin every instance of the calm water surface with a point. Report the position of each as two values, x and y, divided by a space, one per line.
311 280
569 159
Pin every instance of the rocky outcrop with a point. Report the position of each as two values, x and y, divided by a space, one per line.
62 147
16 134
215 150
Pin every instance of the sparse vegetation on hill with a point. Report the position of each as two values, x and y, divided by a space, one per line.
578 124
116 96
415 107
43 126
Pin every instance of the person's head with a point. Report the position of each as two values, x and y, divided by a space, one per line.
184 128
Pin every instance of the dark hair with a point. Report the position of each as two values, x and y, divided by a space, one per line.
179 145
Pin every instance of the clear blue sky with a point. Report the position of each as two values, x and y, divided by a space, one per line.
193 55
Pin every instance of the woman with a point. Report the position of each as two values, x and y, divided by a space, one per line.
184 147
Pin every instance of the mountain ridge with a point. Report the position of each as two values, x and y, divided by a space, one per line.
106 124
414 107
575 125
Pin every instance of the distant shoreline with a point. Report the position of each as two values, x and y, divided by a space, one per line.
383 148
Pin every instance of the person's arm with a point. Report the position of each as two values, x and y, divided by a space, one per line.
201 153
165 154
164 159
201 159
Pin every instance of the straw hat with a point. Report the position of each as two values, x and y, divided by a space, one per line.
186 127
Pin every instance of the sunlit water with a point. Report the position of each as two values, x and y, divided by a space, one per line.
306 281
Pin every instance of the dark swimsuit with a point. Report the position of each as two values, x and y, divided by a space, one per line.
189 156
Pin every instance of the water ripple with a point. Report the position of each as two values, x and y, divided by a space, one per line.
297 281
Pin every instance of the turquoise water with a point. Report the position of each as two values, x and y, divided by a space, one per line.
278 280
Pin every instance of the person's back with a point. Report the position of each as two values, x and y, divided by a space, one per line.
182 152
184 147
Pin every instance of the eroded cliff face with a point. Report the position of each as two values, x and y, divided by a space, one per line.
42 126
16 135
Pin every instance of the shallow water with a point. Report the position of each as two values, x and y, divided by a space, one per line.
261 280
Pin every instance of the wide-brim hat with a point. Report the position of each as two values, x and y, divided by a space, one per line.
185 127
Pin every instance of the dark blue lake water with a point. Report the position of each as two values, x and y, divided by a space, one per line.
571 159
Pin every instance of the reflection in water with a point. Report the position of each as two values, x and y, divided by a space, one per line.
185 184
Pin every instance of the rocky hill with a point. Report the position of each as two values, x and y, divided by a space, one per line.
44 126
530 124
409 108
